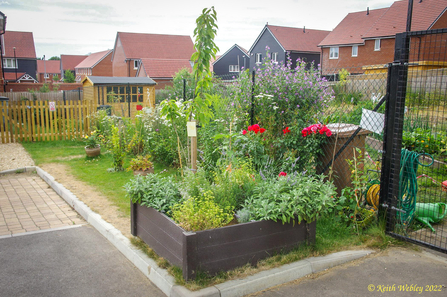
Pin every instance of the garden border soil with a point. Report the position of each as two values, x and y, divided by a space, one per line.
219 249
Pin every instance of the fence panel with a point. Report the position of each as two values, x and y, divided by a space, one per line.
416 197
44 120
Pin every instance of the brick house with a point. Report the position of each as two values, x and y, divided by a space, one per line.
69 62
96 64
157 56
47 70
19 57
363 42
299 43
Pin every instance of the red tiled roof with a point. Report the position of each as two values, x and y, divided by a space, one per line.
156 46
49 66
163 68
22 41
93 59
394 20
298 39
69 62
351 29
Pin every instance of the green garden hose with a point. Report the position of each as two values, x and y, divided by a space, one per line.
408 187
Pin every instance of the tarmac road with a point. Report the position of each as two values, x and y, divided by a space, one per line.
77 261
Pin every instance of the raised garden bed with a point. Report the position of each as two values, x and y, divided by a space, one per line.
218 249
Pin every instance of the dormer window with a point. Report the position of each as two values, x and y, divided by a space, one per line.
135 64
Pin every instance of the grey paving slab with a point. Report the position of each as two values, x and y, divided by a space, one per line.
70 262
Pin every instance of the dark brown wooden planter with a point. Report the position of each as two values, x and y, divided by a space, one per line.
218 249
93 152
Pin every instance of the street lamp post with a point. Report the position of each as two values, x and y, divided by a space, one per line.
15 61
45 69
2 31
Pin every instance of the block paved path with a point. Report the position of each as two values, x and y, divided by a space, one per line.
27 204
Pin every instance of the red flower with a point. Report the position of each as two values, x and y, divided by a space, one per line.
282 173
139 107
286 130
328 133
244 132
262 130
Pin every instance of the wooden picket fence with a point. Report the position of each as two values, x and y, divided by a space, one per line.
44 120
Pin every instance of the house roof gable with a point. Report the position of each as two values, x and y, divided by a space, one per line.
298 39
69 62
352 28
244 51
22 41
93 59
394 20
155 46
48 66
164 68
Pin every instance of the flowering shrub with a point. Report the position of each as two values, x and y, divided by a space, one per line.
316 128
92 140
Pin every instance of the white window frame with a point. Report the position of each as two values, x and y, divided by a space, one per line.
135 64
12 63
258 58
355 51
46 75
274 57
233 68
377 44
333 52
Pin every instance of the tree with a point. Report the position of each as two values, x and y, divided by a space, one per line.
54 58
69 77
55 78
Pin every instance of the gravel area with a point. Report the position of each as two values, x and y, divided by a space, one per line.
13 156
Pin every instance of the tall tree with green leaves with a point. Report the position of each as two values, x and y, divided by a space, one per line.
206 49
69 77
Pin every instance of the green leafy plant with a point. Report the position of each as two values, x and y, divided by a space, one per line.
92 140
69 76
201 213
141 163
117 148
160 193
292 198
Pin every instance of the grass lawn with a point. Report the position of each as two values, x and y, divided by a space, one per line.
331 235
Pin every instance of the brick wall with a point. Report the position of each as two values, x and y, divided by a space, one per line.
366 56
104 68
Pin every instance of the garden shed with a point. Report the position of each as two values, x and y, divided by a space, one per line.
124 95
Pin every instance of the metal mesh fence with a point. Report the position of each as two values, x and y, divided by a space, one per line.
416 198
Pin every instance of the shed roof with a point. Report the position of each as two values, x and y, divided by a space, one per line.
108 80
22 41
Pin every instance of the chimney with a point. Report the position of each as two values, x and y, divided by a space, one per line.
367 11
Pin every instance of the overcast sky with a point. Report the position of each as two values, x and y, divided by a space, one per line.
80 27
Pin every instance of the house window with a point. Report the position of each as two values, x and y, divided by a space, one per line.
274 57
9 63
234 68
135 64
333 53
47 75
377 44
258 58
355 50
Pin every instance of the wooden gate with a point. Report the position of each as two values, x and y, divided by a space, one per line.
44 120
